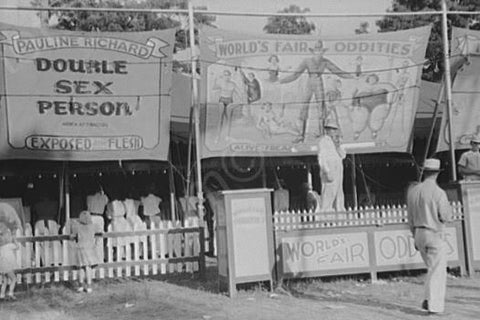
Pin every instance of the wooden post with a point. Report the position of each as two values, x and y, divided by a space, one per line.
171 183
354 182
196 113
448 89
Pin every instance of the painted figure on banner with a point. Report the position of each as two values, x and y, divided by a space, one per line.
334 100
273 68
254 91
269 122
469 163
330 161
228 89
428 212
315 67
371 105
358 66
402 81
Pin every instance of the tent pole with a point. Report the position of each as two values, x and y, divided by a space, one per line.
66 189
196 111
448 89
189 154
354 182
432 126
171 184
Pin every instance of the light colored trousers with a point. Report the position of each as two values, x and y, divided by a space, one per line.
433 251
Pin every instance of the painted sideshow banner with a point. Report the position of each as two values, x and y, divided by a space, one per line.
465 93
272 95
84 96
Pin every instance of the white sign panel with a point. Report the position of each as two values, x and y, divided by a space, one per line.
250 240
325 252
395 247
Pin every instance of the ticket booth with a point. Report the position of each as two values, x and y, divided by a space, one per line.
245 249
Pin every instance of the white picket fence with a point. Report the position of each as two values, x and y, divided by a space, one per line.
167 247
363 216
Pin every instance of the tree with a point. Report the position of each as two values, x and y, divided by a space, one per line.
290 24
363 28
433 68
123 21
127 21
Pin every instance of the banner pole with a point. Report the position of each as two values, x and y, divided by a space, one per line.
196 113
448 89
354 182
432 126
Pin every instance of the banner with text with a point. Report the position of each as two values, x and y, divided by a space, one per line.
84 96
465 94
272 95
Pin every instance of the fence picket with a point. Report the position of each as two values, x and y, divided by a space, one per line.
154 243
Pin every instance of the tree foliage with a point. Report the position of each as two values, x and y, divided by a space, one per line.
127 21
433 69
290 24
124 21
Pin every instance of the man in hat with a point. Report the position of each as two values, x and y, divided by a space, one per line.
469 163
428 211
315 66
330 160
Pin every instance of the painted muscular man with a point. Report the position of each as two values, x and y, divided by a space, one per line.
315 67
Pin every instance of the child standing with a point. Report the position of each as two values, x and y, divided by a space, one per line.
84 234
8 262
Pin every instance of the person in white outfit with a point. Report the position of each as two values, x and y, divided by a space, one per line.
96 203
330 160
428 211
151 206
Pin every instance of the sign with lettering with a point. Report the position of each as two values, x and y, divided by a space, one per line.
397 247
473 203
244 238
310 253
249 236
84 96
272 94
465 65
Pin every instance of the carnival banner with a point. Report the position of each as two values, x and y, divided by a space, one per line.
465 91
84 96
272 95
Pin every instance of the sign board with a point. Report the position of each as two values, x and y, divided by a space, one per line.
465 65
311 253
397 247
270 95
84 95
357 249
244 237
471 206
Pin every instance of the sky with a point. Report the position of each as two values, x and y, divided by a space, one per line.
324 26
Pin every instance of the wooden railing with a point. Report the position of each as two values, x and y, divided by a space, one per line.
163 248
378 215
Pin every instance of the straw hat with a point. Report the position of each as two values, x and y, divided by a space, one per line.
431 165
318 47
475 139
330 123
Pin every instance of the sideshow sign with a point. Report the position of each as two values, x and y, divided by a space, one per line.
84 96
272 94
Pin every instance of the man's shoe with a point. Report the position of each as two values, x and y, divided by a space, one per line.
425 305
438 314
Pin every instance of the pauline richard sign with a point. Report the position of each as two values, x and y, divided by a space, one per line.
84 96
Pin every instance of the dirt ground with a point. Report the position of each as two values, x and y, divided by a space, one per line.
393 296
